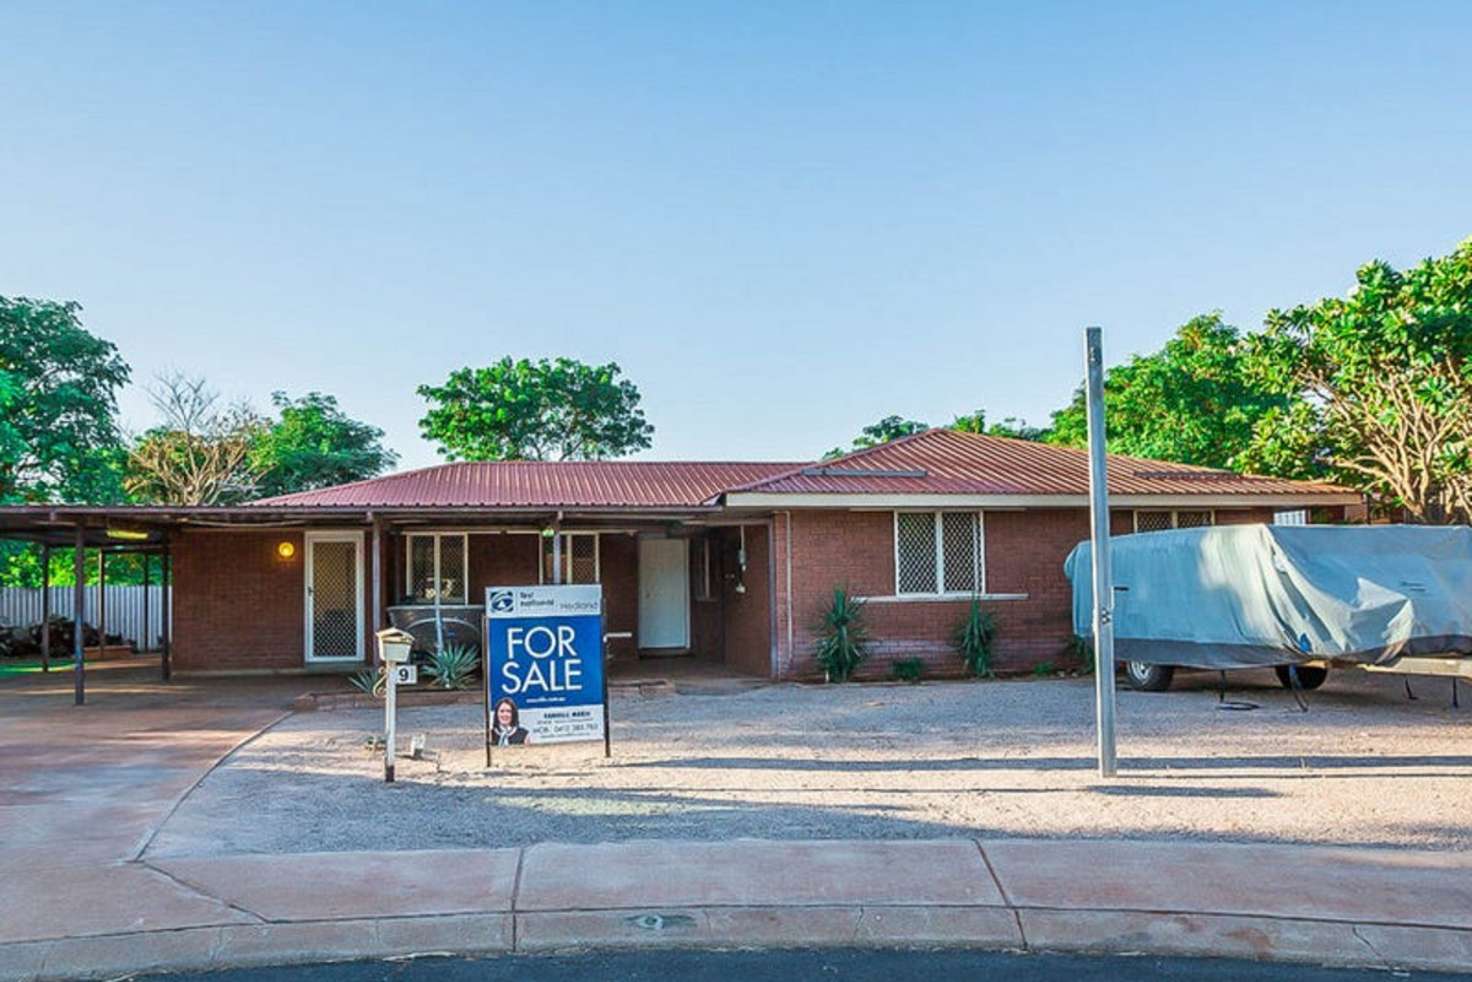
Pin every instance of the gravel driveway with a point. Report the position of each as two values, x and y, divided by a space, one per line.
989 759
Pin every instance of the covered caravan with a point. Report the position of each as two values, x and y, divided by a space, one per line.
1259 595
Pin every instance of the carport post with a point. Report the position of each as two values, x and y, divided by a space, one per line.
1099 536
166 607
143 634
101 602
45 607
79 603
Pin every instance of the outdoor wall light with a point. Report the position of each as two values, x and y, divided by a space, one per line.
286 550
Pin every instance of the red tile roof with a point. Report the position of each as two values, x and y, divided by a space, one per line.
541 484
942 461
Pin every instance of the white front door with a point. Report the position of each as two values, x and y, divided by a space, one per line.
664 593
334 601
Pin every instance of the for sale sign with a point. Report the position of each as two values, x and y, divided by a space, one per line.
544 678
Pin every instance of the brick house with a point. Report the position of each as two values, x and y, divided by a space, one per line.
726 563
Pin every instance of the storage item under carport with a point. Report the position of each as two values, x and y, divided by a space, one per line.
1382 597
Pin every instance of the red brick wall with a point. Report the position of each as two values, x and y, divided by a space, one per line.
237 604
747 620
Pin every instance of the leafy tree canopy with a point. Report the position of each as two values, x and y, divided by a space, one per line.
1190 402
888 428
59 438
1011 426
1376 387
313 444
535 410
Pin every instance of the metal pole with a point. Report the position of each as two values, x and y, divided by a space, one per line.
556 557
165 608
101 602
45 607
79 602
1099 539
390 714
143 633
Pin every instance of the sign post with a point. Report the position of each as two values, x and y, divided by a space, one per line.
1099 547
544 675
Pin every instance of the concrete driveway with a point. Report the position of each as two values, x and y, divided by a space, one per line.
83 788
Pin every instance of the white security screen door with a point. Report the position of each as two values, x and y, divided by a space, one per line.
664 593
334 581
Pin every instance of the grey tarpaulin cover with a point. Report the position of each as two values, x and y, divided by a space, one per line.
1251 595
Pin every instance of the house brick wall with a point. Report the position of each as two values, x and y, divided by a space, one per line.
237 604
747 616
1024 554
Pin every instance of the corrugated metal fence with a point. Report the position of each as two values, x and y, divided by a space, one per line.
21 607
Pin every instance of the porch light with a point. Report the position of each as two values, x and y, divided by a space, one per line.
285 550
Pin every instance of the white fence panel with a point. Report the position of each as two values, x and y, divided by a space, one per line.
21 607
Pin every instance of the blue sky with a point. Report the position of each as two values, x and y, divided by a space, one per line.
784 220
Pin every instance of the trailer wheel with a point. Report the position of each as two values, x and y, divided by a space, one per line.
1144 677
1309 676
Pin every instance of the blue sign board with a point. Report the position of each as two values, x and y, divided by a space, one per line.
544 668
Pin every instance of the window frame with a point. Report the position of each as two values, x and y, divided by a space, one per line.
409 538
937 524
1175 515
567 557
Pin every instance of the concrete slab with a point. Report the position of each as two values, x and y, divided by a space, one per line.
56 903
1358 885
128 954
754 873
334 886
987 927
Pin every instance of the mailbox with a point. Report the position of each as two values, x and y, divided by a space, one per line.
394 646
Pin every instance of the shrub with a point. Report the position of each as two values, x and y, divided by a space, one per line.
451 666
1043 669
369 681
1081 650
907 669
973 640
842 639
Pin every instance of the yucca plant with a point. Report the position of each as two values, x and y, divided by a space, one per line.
450 667
842 639
973 640
369 681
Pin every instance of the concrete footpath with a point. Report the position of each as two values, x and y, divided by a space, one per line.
1380 908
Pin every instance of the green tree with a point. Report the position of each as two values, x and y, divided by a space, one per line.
1190 402
59 439
1011 427
887 429
1376 387
535 410
314 444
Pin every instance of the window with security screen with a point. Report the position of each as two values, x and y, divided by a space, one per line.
1158 520
938 552
579 558
437 567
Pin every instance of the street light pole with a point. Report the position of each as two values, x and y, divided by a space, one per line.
1099 540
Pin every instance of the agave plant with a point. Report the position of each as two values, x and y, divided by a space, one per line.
450 667
842 638
369 681
973 640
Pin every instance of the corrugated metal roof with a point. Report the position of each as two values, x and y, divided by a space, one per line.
950 462
542 484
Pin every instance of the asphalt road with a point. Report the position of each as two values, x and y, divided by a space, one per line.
790 966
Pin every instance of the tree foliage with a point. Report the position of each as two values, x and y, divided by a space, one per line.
1010 426
887 429
1190 402
535 410
1377 387
200 453
59 437
314 444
